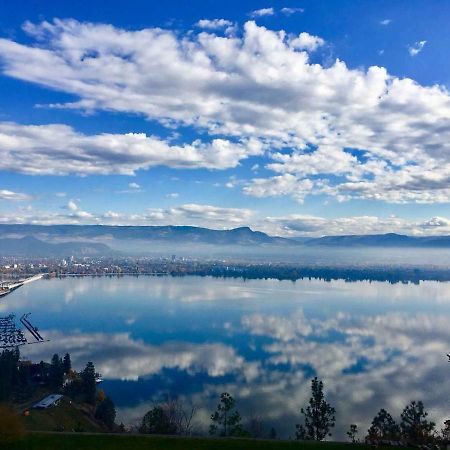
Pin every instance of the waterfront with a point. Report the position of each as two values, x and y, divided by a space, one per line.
374 344
8 287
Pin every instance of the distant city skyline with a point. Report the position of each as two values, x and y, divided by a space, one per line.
296 118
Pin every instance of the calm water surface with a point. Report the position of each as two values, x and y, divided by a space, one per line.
374 344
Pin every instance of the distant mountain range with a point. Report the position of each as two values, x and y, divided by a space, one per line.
32 247
63 240
174 234
381 240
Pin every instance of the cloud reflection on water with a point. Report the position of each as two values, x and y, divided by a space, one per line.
374 344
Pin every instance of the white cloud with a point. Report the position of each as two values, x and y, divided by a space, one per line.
187 214
306 41
134 186
173 195
280 185
289 11
307 225
122 357
111 215
280 328
203 214
76 213
254 88
385 22
214 24
5 194
437 223
416 48
60 150
72 206
262 12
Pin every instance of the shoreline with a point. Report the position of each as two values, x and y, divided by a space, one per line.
13 286
348 276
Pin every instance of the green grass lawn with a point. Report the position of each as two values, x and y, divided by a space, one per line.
66 416
41 441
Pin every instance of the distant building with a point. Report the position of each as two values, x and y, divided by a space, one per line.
49 401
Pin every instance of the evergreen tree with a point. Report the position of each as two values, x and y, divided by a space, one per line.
89 384
415 427
9 374
319 415
226 421
67 364
56 374
106 412
383 427
24 388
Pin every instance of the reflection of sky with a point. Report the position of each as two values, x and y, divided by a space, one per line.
374 344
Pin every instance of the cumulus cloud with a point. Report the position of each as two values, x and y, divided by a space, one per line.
215 24
262 12
5 194
123 357
437 223
72 206
76 213
280 185
306 41
415 49
385 22
60 150
258 86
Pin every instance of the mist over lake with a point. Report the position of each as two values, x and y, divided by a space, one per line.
374 344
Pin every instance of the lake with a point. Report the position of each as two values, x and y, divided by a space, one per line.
375 345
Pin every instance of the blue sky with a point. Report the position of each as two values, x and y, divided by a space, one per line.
293 117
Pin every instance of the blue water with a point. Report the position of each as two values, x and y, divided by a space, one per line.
374 344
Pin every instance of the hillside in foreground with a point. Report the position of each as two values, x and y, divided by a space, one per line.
58 441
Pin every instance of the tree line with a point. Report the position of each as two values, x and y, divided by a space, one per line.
318 421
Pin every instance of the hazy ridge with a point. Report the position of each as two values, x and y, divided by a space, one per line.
57 240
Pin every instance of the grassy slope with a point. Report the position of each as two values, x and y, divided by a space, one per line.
123 442
66 416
